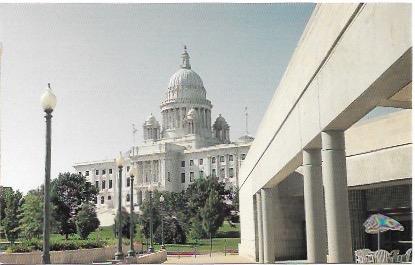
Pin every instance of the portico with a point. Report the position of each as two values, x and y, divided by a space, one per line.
336 76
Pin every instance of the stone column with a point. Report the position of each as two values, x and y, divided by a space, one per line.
268 226
162 119
177 117
314 207
181 118
209 166
209 118
336 197
260 230
170 118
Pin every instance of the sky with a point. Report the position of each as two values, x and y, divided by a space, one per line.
109 66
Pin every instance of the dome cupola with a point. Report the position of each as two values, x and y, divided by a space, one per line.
221 130
185 85
151 129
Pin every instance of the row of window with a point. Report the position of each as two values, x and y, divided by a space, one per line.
221 159
103 182
102 199
192 174
104 171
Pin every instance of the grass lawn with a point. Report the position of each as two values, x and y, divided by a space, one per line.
203 245
226 227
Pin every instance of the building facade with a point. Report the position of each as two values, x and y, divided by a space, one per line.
185 146
318 167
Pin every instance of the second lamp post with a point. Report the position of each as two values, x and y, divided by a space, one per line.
150 191
133 173
120 163
162 226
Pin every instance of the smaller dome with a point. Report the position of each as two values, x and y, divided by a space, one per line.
151 121
220 123
191 115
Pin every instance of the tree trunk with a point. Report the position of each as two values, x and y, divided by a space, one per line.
210 234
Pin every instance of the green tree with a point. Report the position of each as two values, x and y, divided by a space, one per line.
150 212
234 207
126 222
173 231
68 193
13 202
197 195
196 228
31 222
86 220
2 210
212 215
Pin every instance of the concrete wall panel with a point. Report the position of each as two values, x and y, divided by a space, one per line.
383 165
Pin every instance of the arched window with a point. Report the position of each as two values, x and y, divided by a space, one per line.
128 197
102 199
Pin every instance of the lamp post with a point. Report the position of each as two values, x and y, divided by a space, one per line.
150 190
133 172
162 226
48 102
119 161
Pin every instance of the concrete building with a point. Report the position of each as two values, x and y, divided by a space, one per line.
317 168
185 146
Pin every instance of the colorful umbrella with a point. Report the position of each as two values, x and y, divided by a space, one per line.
379 223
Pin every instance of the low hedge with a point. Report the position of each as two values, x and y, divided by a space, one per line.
34 245
228 234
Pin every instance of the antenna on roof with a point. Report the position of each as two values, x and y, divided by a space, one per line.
134 132
246 120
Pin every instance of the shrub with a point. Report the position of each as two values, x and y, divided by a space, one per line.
228 234
34 245
173 232
125 224
18 248
86 220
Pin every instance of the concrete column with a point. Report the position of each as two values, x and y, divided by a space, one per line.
314 207
260 230
336 197
268 225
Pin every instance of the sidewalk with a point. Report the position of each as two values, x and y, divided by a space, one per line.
216 258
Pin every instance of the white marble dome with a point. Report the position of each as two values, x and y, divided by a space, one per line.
185 85
185 78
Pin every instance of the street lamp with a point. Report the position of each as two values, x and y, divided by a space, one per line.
150 190
133 172
48 102
162 226
119 161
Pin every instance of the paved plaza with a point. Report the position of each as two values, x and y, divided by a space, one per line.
216 258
